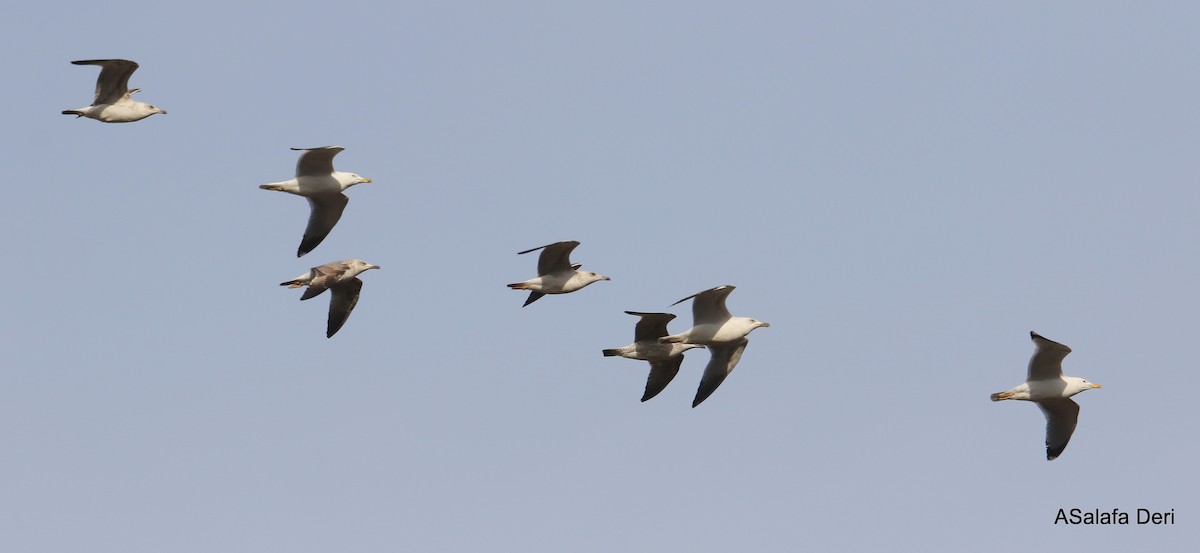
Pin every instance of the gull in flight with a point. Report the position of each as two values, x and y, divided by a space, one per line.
114 101
724 334
317 181
664 358
1052 391
556 273
341 278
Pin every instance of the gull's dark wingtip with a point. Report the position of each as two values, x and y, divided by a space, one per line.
306 247
650 394
533 296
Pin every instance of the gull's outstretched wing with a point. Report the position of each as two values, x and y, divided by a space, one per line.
652 325
555 257
1062 415
533 296
316 161
113 82
1046 363
325 213
709 305
724 359
661 374
345 297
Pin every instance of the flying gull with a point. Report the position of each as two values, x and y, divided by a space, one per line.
664 358
317 181
114 101
556 273
341 277
1052 391
724 334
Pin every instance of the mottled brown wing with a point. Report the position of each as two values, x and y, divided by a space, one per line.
324 276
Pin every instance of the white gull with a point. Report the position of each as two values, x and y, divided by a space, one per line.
724 334
114 101
1052 391
317 181
556 273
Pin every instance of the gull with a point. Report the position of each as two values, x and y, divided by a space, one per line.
724 334
114 101
341 277
664 358
556 273
317 181
1047 387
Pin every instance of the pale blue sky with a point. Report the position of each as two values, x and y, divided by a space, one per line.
903 190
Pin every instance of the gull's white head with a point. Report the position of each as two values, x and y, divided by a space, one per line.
1076 385
349 179
358 266
154 110
590 277
755 323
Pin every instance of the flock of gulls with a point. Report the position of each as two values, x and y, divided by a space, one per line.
713 327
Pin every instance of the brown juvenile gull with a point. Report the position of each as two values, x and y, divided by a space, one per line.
341 278
317 181
556 273
664 358
1052 391
114 101
724 334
